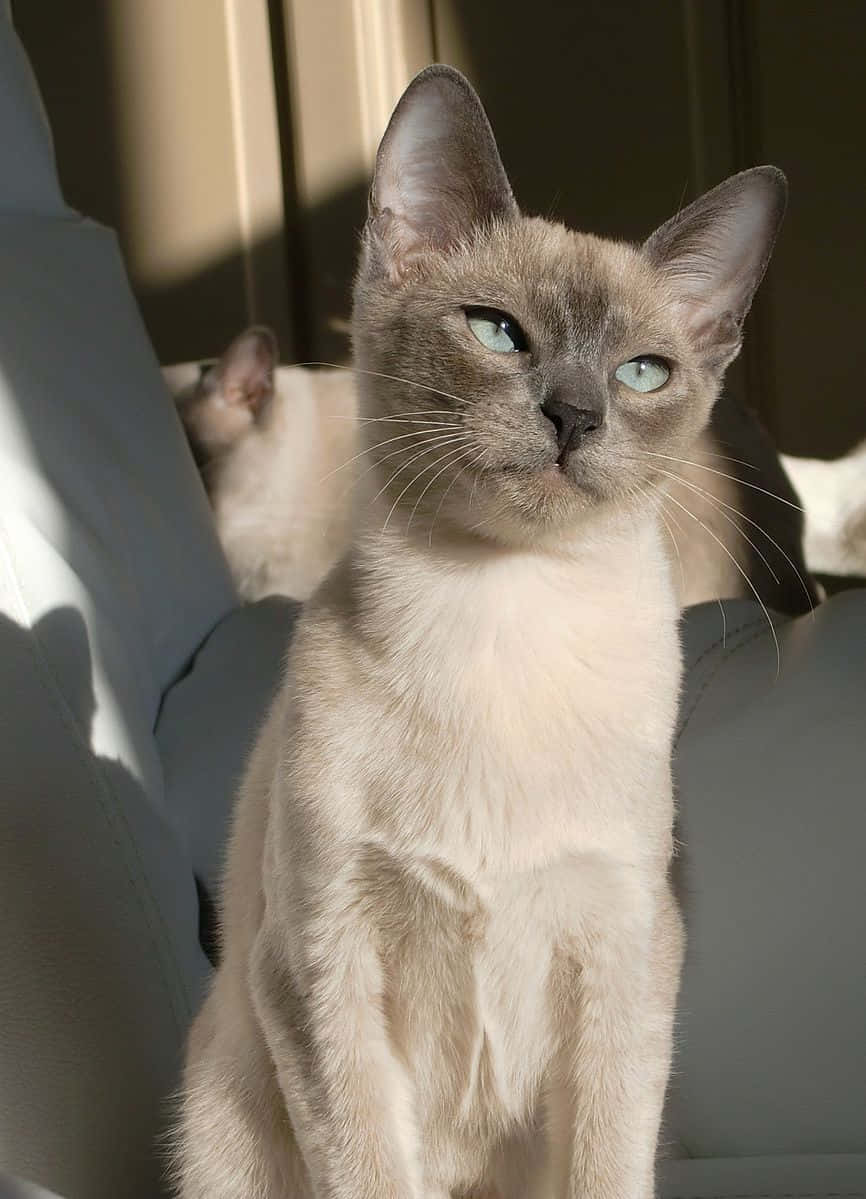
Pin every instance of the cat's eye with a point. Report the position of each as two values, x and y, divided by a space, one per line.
496 330
646 373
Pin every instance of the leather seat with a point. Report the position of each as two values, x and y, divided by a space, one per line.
132 687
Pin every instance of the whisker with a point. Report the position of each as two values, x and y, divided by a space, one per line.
715 499
728 458
748 581
378 446
496 514
464 454
724 475
393 378
467 466
443 441
429 439
398 420
675 545
448 454
711 498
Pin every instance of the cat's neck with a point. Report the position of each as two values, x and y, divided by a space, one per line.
408 584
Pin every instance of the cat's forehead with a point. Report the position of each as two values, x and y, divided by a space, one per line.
576 287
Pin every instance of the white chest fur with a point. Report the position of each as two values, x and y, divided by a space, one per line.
530 702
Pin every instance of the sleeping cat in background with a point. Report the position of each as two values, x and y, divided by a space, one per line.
450 946
277 448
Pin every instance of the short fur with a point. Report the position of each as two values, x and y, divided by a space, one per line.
278 451
451 949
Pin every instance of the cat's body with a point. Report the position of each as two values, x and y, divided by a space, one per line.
451 951
467 830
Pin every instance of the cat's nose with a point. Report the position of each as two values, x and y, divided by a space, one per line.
571 423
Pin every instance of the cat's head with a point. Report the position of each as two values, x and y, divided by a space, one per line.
230 394
539 369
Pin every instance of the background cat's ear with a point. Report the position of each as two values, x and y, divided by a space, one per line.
438 172
245 372
715 253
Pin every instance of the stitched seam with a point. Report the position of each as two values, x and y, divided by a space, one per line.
723 660
779 1195
54 692
747 624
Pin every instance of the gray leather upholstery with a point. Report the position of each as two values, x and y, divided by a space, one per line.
110 580
132 687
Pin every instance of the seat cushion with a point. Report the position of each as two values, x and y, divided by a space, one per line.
839 1176
209 720
771 775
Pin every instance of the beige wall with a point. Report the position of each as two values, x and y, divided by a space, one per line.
165 123
231 143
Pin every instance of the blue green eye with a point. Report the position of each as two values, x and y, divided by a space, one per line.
496 330
645 373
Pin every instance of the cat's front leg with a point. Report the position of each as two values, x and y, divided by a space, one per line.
608 1082
350 1102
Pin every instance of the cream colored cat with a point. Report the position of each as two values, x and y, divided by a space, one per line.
279 454
450 946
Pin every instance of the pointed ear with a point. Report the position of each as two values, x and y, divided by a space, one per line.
438 172
715 253
245 373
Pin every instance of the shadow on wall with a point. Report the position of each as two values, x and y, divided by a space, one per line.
196 314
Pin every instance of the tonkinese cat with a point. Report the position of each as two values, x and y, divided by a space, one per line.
278 450
450 947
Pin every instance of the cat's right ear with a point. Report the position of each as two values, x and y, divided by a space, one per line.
438 173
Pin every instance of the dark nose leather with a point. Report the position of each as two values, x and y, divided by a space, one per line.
571 423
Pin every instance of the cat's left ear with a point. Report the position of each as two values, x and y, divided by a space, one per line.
438 172
715 253
244 375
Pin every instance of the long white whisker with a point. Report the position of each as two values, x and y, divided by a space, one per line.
724 475
393 378
395 420
711 499
751 586
676 547
464 454
728 458
443 441
378 446
466 467
715 499
448 454
429 439
496 514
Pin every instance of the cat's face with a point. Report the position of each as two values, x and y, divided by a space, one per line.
545 371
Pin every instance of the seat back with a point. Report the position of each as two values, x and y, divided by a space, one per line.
110 579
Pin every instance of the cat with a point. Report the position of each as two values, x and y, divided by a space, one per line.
451 950
279 455
834 497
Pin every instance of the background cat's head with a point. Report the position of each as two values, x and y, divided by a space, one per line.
542 369
230 395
